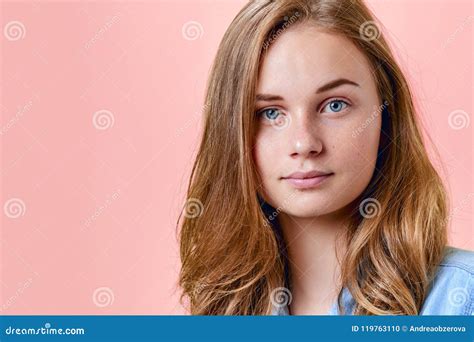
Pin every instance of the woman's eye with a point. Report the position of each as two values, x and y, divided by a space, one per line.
270 113
335 106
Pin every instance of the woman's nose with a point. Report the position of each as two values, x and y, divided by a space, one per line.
304 137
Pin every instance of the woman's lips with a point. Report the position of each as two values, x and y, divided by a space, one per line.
307 183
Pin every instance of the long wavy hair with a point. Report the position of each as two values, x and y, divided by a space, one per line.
232 256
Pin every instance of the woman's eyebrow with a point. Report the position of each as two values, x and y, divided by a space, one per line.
336 83
328 86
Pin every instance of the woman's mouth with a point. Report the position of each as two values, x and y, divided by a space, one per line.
307 180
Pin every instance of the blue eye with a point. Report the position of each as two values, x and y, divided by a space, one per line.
270 113
336 106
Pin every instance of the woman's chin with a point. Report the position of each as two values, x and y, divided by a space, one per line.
306 212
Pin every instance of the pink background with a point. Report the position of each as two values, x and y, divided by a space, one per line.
89 204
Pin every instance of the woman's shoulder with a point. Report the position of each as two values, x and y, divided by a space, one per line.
461 259
452 288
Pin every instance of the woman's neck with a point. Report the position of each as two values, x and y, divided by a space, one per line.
315 247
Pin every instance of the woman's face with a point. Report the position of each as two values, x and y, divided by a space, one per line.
318 115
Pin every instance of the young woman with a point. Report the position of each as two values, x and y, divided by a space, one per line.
312 192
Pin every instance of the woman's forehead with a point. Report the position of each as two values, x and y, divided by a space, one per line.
305 53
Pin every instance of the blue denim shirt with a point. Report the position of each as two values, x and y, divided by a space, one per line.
451 291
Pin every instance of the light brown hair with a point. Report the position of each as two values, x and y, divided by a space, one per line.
231 254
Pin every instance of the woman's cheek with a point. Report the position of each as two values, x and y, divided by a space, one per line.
263 153
360 155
